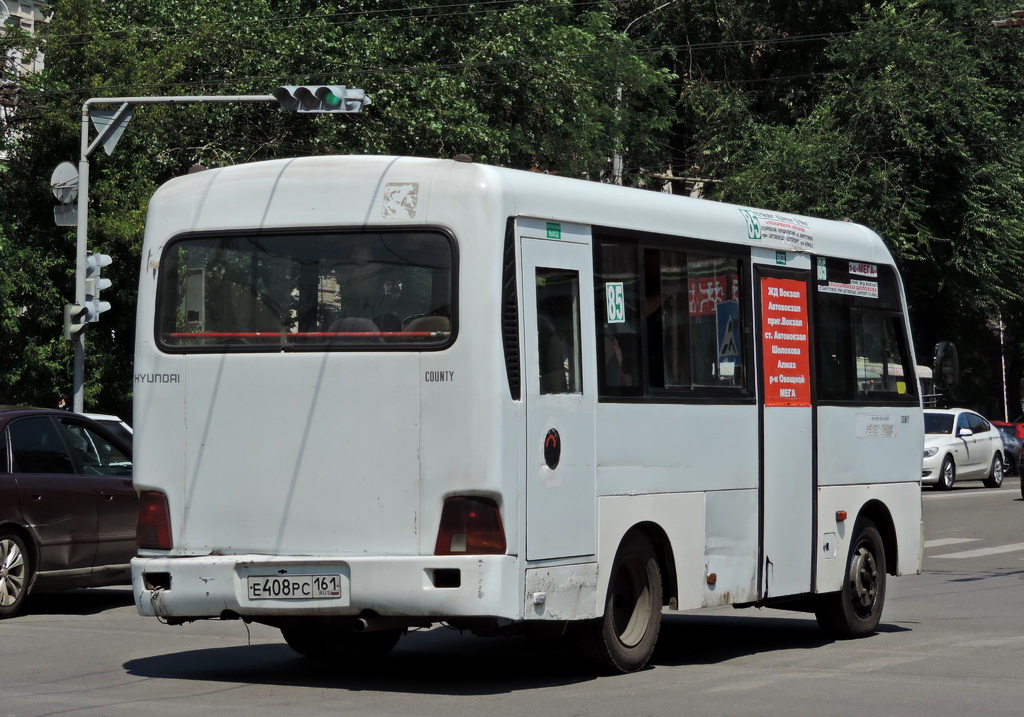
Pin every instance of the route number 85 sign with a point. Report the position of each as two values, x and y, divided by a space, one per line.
615 298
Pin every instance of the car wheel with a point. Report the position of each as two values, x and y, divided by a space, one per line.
856 609
623 639
947 474
15 571
995 474
341 644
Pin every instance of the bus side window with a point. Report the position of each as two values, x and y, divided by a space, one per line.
558 331
617 301
862 347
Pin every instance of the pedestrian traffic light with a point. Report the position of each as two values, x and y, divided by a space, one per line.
74 320
321 98
94 284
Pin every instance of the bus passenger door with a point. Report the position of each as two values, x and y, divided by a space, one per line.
560 382
787 432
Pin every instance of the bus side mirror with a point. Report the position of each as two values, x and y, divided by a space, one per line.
946 371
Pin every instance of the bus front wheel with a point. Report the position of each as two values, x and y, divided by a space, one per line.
623 639
856 609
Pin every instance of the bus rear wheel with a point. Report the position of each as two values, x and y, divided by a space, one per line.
340 644
856 609
623 639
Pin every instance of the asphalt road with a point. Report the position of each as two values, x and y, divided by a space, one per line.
951 642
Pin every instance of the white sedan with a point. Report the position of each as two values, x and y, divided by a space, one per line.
960 445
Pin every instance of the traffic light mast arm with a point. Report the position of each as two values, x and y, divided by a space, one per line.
82 236
332 98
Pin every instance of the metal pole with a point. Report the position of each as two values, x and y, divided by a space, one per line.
78 398
81 245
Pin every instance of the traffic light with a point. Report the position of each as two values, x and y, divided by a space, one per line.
321 98
94 284
74 320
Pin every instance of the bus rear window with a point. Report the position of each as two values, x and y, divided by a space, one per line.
274 292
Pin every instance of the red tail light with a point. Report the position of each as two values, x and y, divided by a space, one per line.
154 526
470 526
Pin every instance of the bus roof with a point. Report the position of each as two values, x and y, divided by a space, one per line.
332 190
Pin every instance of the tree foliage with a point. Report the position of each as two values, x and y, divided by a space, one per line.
528 85
900 114
912 132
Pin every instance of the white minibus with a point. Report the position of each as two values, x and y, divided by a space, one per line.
379 393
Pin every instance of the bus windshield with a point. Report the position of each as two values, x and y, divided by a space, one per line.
273 292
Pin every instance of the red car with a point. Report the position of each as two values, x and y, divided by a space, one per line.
68 509
1013 446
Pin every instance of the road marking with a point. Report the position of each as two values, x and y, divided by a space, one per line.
969 492
948 541
981 552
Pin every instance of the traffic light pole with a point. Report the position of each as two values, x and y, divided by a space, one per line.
106 137
315 98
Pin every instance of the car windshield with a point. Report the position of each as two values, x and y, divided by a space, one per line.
938 423
117 428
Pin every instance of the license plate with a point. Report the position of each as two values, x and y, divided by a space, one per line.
294 587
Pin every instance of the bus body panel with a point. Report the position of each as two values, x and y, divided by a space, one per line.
903 499
560 398
730 550
562 592
216 586
680 515
360 470
342 460
326 472
872 449
663 448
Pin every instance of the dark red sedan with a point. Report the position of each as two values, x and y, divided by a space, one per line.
68 508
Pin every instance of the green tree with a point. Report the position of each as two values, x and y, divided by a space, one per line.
528 85
910 127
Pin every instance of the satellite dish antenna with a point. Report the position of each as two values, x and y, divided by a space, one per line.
4 12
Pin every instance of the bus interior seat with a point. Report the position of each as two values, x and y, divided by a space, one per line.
430 323
354 325
554 357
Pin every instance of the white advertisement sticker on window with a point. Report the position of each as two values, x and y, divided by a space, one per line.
862 269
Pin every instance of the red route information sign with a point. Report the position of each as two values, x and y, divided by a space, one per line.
784 342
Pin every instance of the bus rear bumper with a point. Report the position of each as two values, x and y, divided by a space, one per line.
264 587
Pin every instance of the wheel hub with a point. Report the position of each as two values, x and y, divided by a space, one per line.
864 578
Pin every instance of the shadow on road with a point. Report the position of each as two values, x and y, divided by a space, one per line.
445 662
90 601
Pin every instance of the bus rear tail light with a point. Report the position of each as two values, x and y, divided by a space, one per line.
470 526
154 526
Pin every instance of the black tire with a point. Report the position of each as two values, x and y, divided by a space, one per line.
856 610
947 474
15 572
340 644
623 639
995 473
